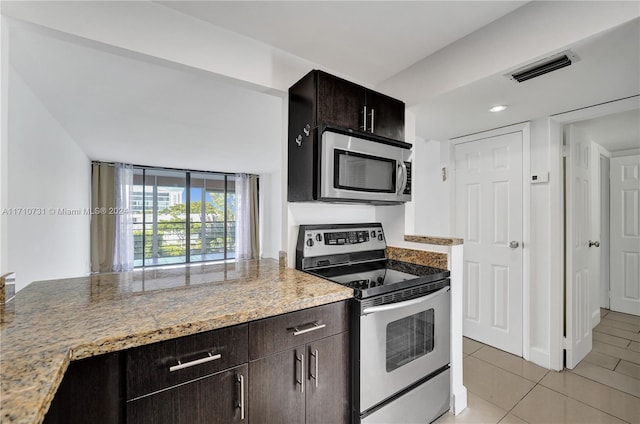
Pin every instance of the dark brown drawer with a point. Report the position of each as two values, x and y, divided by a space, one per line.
161 365
217 399
283 332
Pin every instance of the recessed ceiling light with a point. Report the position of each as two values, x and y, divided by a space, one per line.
498 108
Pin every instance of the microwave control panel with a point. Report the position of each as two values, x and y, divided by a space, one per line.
407 188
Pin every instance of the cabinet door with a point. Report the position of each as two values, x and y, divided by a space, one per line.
386 115
278 382
90 392
328 394
220 398
340 102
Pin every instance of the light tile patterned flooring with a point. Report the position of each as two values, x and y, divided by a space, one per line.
603 388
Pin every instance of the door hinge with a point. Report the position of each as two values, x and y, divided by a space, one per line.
565 343
565 151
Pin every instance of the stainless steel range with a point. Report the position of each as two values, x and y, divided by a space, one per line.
400 322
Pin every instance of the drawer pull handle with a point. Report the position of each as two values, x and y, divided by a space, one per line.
206 359
310 327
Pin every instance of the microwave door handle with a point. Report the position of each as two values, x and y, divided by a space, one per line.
392 306
405 177
402 168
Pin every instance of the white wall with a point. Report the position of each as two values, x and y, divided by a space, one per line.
4 85
270 214
541 249
45 169
430 193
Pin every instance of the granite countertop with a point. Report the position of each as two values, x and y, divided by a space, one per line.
50 323
439 241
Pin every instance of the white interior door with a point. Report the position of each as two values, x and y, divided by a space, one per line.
625 234
489 218
578 210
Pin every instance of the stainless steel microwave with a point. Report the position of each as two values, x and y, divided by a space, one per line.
354 168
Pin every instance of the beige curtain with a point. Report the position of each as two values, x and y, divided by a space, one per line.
247 221
254 222
103 233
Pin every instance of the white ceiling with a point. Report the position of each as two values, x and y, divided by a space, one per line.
620 131
124 108
367 40
608 69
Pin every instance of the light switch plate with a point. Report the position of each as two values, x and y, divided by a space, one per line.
541 177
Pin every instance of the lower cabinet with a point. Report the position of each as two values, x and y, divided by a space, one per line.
275 394
309 383
219 398
92 391
299 366
291 368
328 393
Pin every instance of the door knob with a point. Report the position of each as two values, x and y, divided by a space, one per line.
514 244
594 243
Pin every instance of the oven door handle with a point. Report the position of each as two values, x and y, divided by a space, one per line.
392 306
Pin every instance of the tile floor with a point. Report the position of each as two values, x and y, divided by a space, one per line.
603 388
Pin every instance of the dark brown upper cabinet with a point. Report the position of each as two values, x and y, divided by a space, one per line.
323 99
340 102
385 115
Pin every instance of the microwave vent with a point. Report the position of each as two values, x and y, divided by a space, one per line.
543 66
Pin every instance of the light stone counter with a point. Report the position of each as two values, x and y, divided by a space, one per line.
50 323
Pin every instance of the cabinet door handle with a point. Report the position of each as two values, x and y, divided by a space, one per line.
372 119
300 380
240 404
312 326
314 353
364 119
206 359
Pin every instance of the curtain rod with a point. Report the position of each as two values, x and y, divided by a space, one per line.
174 169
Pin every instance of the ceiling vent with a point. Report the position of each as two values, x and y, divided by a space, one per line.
543 66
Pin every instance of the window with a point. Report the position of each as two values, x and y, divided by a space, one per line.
409 338
182 216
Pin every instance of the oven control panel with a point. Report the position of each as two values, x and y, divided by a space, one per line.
329 241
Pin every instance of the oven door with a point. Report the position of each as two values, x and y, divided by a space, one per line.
400 343
354 168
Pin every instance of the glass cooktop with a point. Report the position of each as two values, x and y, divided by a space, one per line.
382 276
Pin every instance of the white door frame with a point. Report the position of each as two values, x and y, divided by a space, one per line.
557 195
605 242
526 212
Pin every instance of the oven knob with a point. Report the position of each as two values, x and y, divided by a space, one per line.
319 237
380 237
310 242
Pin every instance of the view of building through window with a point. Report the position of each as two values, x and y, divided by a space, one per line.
182 216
